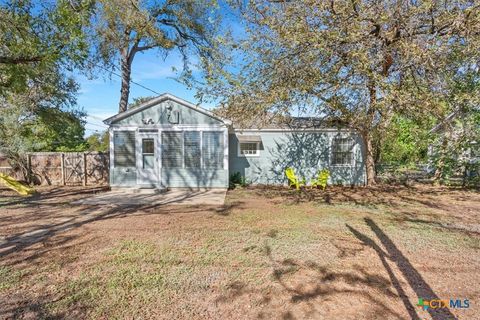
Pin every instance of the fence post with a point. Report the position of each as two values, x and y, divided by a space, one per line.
62 166
84 169
29 168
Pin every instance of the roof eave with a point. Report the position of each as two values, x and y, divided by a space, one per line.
160 99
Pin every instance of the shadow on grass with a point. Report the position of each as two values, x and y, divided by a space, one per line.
80 215
307 283
389 195
414 278
37 308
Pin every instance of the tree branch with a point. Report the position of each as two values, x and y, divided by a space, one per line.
20 60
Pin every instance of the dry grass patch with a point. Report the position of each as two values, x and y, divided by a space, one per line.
269 253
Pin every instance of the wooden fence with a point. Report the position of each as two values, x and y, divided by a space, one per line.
62 168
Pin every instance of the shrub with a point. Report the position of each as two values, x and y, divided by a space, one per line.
236 179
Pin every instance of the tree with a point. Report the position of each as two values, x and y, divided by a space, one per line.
360 62
38 39
98 141
45 129
406 141
139 101
457 136
41 43
128 27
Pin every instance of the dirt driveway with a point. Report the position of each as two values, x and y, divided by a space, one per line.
366 253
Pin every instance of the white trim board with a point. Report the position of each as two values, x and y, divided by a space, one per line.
256 155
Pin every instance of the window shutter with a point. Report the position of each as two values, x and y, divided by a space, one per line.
213 149
192 149
123 149
172 153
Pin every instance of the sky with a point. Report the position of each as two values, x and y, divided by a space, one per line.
99 97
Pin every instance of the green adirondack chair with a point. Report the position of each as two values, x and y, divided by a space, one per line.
293 180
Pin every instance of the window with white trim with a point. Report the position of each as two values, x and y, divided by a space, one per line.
342 151
192 149
248 149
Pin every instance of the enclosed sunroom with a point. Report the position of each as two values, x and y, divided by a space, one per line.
168 142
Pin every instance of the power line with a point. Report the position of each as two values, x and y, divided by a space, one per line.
136 83
94 117
118 75
98 125
95 130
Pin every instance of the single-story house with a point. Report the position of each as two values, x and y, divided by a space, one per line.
168 142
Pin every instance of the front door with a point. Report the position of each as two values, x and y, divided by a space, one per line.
147 160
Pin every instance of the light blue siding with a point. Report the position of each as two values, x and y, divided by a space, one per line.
172 177
194 178
159 115
307 152
123 177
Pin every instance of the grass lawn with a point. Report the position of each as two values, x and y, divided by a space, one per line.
269 253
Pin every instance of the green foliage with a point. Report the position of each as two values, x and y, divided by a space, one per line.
37 40
236 179
455 151
59 130
41 43
457 136
98 141
406 141
138 101
359 62
44 129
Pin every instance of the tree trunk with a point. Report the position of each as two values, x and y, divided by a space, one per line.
437 176
369 158
367 135
126 66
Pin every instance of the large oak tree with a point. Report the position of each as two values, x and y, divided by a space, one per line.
41 43
125 28
359 61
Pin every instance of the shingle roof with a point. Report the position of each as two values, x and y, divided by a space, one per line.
291 123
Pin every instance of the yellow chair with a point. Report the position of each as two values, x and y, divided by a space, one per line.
321 180
293 179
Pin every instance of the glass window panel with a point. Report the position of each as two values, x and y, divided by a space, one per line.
342 151
148 161
148 146
248 148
